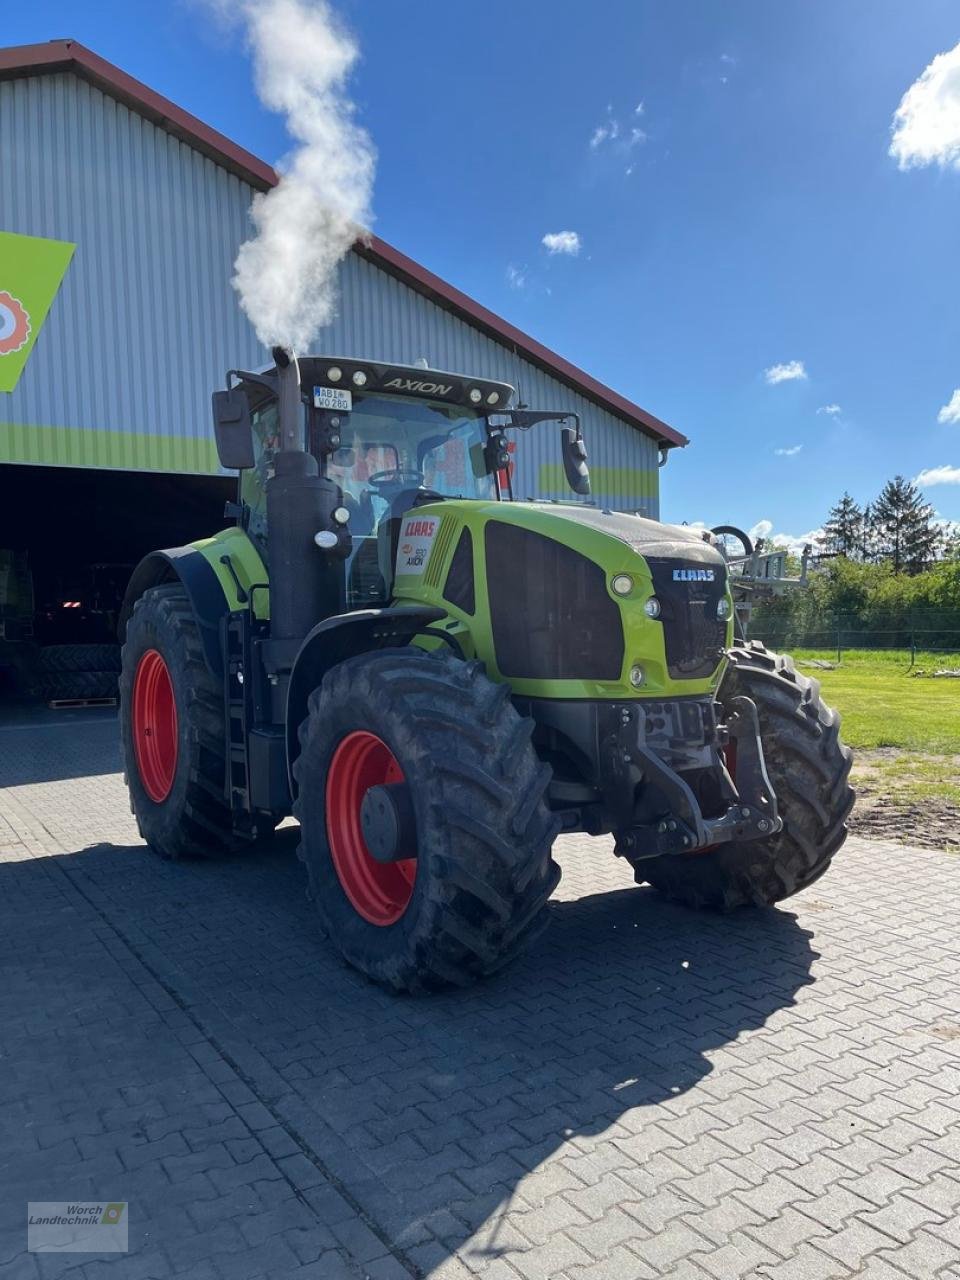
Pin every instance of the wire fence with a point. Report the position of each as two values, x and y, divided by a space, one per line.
920 631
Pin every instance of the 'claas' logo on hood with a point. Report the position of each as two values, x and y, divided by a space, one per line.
693 575
14 324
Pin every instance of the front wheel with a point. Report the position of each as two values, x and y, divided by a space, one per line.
471 889
809 769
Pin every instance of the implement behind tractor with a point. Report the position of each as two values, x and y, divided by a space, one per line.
437 680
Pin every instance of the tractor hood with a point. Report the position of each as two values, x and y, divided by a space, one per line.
557 597
646 537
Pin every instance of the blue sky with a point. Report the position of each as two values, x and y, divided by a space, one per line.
748 216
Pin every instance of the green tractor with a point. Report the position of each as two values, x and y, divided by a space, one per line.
437 680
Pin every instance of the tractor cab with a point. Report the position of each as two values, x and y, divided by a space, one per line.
392 437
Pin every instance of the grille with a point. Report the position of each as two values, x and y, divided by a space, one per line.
693 635
552 616
459 588
438 556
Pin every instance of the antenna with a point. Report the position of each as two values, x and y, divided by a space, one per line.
520 400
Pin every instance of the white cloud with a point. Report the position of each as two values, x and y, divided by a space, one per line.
562 242
833 410
789 372
794 543
789 453
516 277
937 475
926 125
612 132
951 412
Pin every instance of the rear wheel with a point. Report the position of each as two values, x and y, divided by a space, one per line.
173 731
472 892
809 769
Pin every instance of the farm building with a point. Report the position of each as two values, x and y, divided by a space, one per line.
120 218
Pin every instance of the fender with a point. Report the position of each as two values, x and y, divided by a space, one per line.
194 571
343 637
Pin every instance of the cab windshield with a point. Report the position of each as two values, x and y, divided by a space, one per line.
391 444
394 450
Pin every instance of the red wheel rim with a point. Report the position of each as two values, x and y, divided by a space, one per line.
154 726
378 891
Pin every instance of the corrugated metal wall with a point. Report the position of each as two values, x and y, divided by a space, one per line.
146 323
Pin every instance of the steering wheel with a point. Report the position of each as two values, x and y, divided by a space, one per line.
396 477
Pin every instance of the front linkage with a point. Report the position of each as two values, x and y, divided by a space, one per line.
655 744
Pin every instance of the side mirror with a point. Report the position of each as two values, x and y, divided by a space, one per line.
233 430
575 461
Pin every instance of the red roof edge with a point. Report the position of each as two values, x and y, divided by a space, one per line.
69 55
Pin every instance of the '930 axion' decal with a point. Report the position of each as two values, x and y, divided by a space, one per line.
416 542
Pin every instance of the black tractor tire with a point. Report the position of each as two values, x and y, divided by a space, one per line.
62 686
194 819
809 769
484 834
79 657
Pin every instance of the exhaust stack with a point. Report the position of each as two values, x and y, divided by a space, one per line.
290 409
306 585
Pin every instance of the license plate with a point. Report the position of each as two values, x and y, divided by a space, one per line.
341 401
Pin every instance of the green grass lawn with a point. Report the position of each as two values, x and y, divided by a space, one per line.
884 705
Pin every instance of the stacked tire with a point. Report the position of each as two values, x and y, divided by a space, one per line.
78 671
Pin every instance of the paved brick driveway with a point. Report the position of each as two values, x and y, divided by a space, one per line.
651 1093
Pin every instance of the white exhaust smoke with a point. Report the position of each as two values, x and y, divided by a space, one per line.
286 275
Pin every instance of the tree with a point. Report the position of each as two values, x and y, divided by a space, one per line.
843 531
871 542
904 527
950 549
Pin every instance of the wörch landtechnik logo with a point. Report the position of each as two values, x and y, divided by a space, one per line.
89 1226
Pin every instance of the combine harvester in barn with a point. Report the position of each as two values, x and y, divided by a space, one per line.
437 680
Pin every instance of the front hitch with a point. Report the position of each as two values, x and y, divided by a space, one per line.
751 812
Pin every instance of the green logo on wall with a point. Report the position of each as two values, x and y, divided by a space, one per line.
31 270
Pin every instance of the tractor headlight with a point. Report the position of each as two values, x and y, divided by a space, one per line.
359 378
621 584
476 395
637 675
341 515
493 397
334 373
723 608
651 607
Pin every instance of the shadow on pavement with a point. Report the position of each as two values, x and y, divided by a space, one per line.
434 1112
42 744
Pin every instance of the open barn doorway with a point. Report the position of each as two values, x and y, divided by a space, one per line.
69 540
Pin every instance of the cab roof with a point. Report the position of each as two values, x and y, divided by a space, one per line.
367 376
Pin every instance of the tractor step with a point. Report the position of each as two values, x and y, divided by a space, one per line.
59 704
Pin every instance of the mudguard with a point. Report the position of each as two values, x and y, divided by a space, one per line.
194 571
343 637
